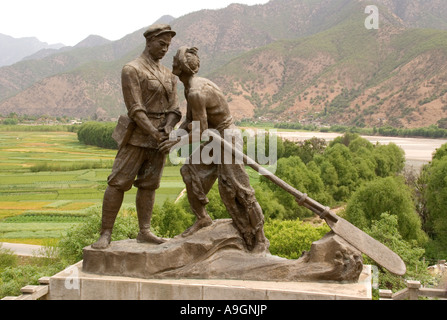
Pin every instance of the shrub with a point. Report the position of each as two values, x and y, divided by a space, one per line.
14 276
386 195
340 160
12 279
10 121
289 239
97 134
385 229
390 159
271 207
170 219
305 179
7 259
306 150
436 202
440 152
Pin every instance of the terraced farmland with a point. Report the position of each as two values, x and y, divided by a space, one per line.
48 181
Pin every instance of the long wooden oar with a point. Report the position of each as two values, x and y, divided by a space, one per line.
353 235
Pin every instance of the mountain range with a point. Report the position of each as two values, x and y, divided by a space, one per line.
13 50
287 60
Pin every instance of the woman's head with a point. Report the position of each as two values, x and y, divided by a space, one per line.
186 60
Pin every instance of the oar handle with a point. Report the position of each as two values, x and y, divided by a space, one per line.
301 198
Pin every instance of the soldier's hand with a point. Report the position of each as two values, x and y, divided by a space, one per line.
165 146
158 136
164 135
168 129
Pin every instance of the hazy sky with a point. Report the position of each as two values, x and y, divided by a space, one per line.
70 21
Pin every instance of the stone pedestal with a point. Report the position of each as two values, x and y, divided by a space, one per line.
74 284
214 263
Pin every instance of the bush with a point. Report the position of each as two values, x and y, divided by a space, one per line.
304 178
390 159
271 207
306 150
7 259
14 276
350 160
440 152
385 229
328 174
12 279
10 121
289 239
171 219
436 202
338 163
386 195
97 134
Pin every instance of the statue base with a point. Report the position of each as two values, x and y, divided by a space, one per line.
213 264
74 284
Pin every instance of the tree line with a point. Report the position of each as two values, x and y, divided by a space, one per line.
98 134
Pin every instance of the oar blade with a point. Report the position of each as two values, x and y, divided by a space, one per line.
368 245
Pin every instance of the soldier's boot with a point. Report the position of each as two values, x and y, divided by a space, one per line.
145 205
113 198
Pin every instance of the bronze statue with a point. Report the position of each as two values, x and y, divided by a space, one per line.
207 105
221 249
150 95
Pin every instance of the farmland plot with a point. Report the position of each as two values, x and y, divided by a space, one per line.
48 180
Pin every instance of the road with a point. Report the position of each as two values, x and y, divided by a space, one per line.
25 250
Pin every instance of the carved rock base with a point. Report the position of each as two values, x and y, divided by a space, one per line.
218 252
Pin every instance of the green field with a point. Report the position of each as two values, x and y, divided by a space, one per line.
48 180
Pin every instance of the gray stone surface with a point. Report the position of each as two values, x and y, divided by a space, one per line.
96 287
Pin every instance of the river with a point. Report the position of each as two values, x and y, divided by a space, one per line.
418 151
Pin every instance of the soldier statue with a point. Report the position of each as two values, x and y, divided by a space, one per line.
150 95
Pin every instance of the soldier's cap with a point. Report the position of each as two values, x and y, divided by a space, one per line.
157 30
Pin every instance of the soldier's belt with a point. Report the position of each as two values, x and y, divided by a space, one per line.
156 115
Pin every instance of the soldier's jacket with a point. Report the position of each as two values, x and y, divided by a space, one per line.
150 87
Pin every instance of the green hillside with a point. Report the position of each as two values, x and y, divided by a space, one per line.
335 68
287 60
